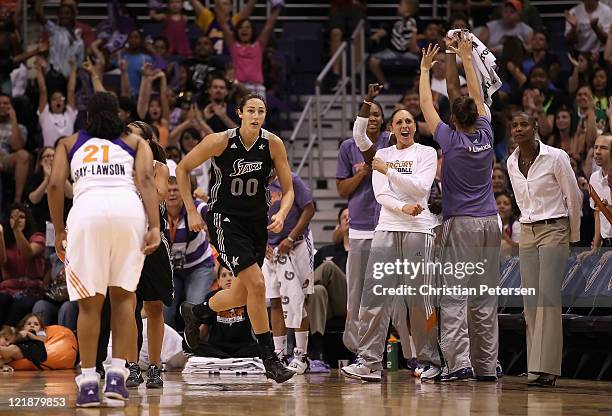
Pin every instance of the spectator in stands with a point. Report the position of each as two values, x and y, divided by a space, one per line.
56 308
13 136
87 33
219 114
23 264
174 28
344 16
589 119
156 110
190 137
135 56
500 180
511 228
550 205
529 15
510 24
564 132
541 56
431 34
38 183
541 100
173 153
402 41
587 25
190 254
510 65
600 85
477 10
599 181
458 21
56 113
329 298
226 334
208 22
582 71
202 64
65 43
247 51
127 110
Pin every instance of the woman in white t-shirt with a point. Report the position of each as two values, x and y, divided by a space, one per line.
401 253
56 117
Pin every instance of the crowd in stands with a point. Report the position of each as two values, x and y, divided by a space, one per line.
189 87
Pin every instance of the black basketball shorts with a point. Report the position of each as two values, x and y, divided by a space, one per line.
240 241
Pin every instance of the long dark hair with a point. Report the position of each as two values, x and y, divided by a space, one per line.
39 155
103 117
30 225
556 133
148 133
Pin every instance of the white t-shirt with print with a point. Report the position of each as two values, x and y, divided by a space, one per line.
56 125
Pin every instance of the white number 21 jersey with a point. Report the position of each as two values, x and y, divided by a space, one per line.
98 163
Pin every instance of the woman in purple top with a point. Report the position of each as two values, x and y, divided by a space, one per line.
471 232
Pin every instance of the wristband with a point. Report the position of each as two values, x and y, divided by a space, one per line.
290 239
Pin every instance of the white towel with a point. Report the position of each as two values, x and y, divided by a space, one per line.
238 366
485 65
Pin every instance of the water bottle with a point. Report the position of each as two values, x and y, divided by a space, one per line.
392 354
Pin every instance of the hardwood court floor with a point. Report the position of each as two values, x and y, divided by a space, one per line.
319 394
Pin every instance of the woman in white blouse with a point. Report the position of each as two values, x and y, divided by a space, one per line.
550 203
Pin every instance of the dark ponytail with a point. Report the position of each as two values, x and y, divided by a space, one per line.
103 117
465 112
149 133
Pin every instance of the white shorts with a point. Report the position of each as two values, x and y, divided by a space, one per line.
105 236
290 277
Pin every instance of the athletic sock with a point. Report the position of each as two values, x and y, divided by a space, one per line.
280 345
118 363
264 339
89 372
301 342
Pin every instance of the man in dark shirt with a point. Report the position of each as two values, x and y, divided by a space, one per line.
202 64
218 113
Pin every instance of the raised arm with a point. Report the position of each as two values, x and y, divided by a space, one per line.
247 9
228 36
93 75
453 85
144 92
361 124
425 97
465 52
43 98
163 97
126 90
268 28
72 80
197 7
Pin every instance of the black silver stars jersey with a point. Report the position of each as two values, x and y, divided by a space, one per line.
240 177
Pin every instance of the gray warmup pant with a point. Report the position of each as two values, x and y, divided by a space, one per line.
468 324
376 310
329 297
543 252
359 251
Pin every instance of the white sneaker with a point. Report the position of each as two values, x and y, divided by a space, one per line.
431 373
299 364
361 372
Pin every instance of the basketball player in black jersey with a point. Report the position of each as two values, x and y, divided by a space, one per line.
243 161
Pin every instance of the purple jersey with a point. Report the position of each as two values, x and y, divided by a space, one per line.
363 208
303 197
466 170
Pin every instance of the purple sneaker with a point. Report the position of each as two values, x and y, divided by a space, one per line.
318 366
89 391
461 374
114 387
